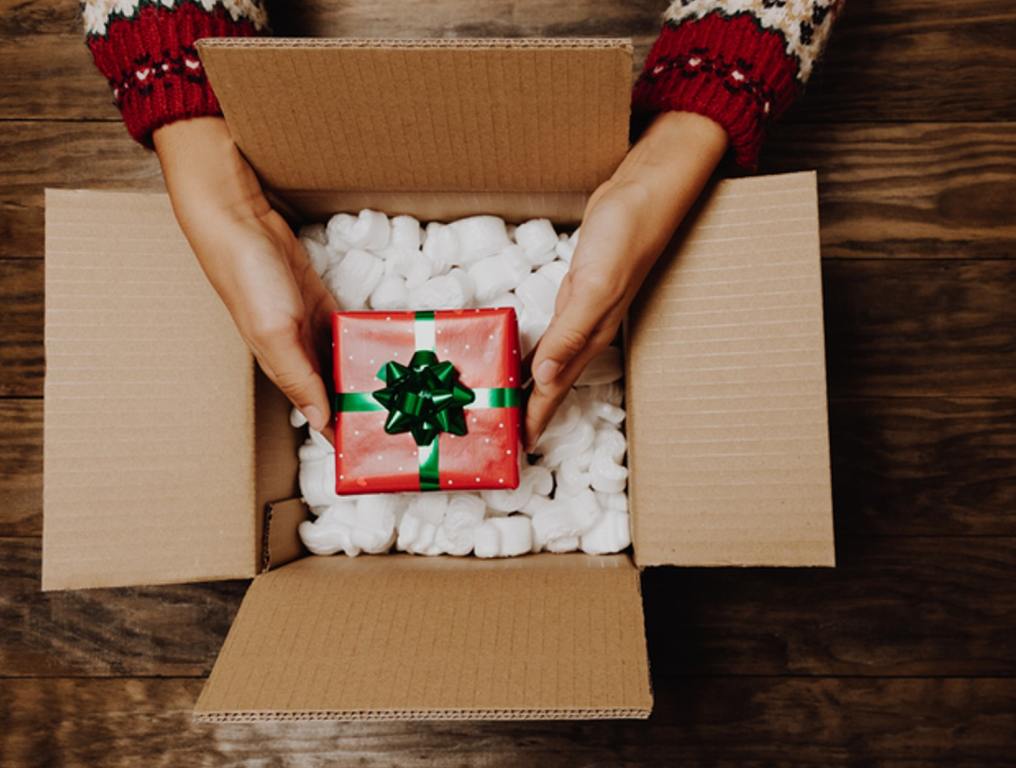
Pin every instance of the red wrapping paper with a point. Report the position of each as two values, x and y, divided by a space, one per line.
483 344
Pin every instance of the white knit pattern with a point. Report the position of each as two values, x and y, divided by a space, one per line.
783 16
97 13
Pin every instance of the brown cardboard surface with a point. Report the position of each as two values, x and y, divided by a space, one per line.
404 637
149 433
478 126
726 390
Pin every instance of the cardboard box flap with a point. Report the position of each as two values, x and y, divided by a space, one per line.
404 637
726 389
148 436
481 121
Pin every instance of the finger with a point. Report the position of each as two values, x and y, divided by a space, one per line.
544 400
284 356
574 337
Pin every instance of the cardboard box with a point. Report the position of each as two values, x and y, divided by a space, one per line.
167 459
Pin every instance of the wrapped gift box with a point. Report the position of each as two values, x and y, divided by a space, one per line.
426 401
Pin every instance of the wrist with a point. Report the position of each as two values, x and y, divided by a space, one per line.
205 174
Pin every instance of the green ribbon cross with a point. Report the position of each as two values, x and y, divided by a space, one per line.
425 398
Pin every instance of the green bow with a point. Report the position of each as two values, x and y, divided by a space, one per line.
424 398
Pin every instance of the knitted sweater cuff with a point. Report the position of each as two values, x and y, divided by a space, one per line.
153 67
726 68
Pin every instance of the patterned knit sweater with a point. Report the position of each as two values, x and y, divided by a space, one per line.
739 62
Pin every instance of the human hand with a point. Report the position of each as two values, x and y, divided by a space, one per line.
628 221
251 257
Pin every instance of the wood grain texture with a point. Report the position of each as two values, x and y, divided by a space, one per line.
920 328
924 466
699 722
173 630
22 360
901 60
913 606
20 467
921 190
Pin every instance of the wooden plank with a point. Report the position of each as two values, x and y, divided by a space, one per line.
905 60
893 328
893 607
907 191
879 194
173 630
924 466
922 328
22 362
20 467
704 722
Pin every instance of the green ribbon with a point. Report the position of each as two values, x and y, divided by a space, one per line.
425 399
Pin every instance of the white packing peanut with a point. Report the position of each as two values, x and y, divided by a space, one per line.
532 479
610 442
493 276
555 272
479 236
390 293
336 231
441 292
441 248
539 240
503 537
320 257
538 294
353 279
327 539
611 533
607 476
406 236
466 283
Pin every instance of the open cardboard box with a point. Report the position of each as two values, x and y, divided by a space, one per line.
168 459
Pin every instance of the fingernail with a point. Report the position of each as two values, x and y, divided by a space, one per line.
546 371
313 416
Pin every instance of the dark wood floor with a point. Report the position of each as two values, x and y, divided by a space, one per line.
904 655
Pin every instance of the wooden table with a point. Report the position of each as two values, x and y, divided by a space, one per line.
904 655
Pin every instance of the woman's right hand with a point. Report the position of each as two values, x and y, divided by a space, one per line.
251 257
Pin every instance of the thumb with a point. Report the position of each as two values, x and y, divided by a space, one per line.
285 359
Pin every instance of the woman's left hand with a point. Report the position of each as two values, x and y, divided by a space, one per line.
627 223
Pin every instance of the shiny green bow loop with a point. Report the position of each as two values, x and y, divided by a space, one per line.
423 398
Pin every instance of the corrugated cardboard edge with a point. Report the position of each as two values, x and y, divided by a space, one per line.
633 713
578 43
281 543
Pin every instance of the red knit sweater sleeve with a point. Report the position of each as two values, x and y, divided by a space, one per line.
738 62
145 49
